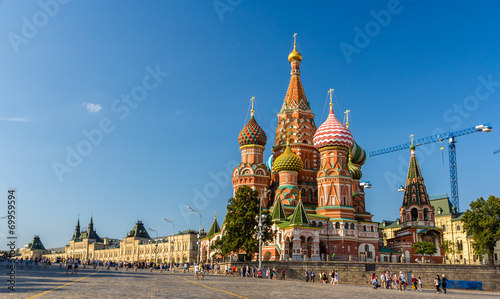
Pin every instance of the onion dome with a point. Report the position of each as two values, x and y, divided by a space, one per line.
288 160
358 154
332 133
294 55
354 170
252 133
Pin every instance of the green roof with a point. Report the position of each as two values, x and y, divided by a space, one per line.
386 250
389 224
139 231
214 228
36 244
278 212
415 191
299 216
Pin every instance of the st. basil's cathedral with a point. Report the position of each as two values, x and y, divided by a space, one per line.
310 185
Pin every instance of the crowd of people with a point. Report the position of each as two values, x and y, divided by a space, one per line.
399 282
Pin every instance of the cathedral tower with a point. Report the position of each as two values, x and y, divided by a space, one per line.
252 171
333 140
416 209
296 125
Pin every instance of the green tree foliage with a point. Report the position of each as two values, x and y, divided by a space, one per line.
241 226
425 248
450 249
482 221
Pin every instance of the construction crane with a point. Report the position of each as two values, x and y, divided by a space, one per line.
450 136
496 151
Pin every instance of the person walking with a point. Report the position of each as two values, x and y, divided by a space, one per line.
413 283
437 282
196 271
444 282
420 284
312 275
283 274
307 275
336 277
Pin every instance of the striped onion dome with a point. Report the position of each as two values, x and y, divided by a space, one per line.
332 133
358 154
287 161
252 133
354 170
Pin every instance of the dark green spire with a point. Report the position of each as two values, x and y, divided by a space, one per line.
214 228
299 216
76 234
415 191
278 212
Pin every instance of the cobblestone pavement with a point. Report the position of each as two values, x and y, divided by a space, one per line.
89 283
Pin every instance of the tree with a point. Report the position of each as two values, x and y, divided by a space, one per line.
424 248
482 221
450 249
241 224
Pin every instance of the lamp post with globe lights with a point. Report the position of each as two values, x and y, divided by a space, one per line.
156 246
171 244
199 233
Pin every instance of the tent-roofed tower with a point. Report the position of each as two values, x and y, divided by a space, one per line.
416 209
139 231
296 125
215 228
76 234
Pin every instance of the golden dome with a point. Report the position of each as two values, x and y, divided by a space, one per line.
287 161
294 55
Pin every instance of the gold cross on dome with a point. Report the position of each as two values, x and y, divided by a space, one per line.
252 100
294 38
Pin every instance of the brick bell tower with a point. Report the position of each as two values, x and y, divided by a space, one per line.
333 140
297 127
252 171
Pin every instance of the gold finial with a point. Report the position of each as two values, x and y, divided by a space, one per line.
411 138
252 100
331 92
215 215
346 115
294 55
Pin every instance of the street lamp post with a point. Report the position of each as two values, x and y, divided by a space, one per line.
172 244
260 233
199 233
156 246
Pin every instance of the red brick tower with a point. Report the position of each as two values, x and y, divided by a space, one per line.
296 122
252 171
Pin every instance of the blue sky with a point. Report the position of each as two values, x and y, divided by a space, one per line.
189 70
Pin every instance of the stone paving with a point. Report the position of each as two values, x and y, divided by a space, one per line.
102 283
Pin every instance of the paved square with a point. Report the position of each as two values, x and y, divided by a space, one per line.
101 283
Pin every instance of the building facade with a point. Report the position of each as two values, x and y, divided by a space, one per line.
310 184
137 246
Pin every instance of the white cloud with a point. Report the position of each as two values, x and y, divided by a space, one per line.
92 108
14 119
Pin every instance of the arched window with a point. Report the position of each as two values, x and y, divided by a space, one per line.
352 225
313 223
346 225
364 228
367 248
414 214
372 229
310 195
425 214
337 225
320 225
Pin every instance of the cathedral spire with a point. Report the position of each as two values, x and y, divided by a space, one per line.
295 97
415 191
